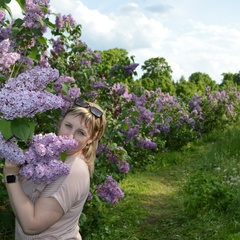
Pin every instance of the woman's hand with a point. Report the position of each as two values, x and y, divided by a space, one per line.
10 168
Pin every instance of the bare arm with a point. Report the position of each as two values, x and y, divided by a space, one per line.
33 218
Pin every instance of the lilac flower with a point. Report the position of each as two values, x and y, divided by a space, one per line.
34 14
41 164
74 92
132 132
7 58
2 16
129 69
35 79
27 103
113 158
102 148
165 129
60 81
146 143
98 85
69 19
57 46
139 101
123 166
97 57
11 151
89 197
145 115
59 22
109 190
118 88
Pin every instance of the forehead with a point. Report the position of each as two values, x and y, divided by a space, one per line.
77 120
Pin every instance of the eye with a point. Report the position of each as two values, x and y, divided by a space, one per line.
67 125
80 132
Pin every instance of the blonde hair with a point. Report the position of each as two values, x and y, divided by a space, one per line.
96 128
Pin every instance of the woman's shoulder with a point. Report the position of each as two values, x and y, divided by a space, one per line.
77 164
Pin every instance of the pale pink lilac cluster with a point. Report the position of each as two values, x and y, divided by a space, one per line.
11 151
42 163
109 190
7 58
25 95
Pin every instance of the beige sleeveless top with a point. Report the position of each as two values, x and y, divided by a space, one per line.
71 192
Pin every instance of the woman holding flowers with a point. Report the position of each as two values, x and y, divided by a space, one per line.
52 211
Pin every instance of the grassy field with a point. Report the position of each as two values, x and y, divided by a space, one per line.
155 200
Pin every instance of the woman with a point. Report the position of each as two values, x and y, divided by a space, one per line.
53 211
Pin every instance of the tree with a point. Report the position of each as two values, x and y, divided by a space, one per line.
158 70
201 81
116 63
185 89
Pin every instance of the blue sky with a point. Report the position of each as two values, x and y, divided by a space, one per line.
192 35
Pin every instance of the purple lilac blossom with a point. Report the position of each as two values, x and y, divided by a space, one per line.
27 103
97 57
89 197
34 14
129 69
7 58
145 115
123 166
97 85
139 101
165 129
102 148
42 165
109 190
132 132
74 93
2 16
146 143
11 151
118 88
59 21
113 158
69 19
57 46
62 79
35 79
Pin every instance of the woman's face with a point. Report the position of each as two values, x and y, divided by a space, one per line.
73 127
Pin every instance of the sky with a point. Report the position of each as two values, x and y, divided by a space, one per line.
191 35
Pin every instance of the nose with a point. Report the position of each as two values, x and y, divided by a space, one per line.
70 135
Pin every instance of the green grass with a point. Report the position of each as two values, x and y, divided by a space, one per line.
153 207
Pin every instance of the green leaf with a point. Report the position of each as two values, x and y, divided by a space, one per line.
63 156
2 77
21 128
6 7
22 4
5 128
42 40
33 53
125 126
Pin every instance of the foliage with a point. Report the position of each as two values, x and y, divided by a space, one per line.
206 192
